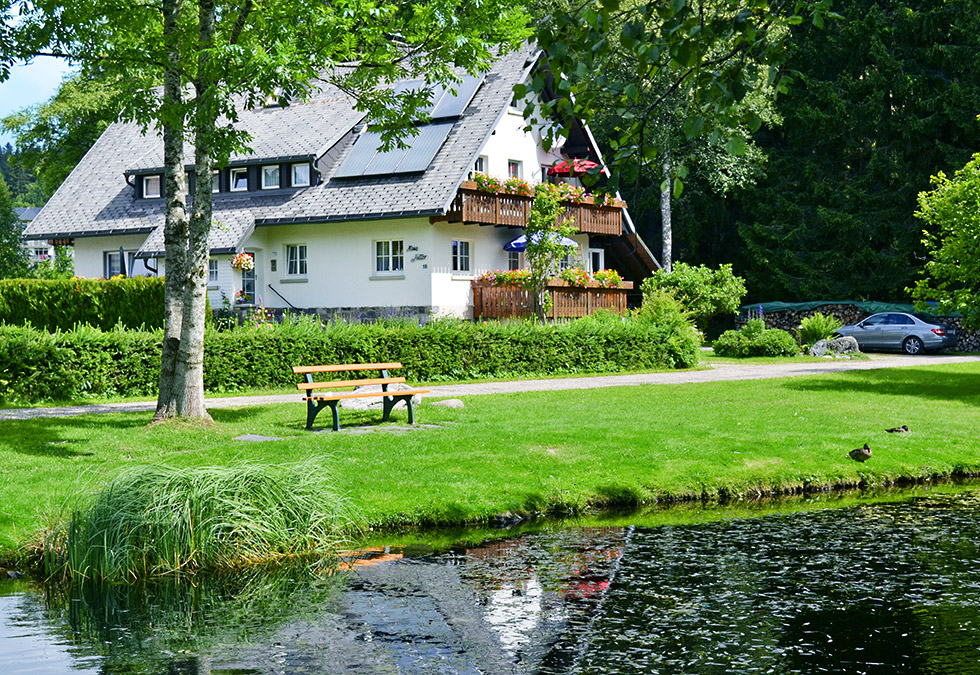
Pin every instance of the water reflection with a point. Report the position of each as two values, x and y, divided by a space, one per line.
884 588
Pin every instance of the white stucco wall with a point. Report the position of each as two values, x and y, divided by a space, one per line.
90 253
509 141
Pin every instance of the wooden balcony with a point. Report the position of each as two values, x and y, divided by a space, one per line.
506 210
568 302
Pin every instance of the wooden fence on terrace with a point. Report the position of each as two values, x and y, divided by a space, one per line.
568 302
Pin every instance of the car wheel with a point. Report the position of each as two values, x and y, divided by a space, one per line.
912 345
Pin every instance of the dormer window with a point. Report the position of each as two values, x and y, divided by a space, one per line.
270 177
301 175
151 187
238 179
215 181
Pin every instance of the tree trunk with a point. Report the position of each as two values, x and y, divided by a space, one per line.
665 216
175 228
189 381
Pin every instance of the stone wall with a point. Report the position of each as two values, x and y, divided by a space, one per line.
421 314
968 340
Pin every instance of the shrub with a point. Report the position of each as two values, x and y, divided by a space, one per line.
60 304
756 340
817 327
38 366
702 291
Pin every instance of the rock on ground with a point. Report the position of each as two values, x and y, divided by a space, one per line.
837 346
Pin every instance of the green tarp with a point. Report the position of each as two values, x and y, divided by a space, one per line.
869 307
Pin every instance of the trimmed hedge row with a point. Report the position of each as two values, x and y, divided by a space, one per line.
35 365
61 304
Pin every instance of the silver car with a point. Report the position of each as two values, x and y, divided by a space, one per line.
900 332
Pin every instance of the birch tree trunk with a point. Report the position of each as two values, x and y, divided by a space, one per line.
189 376
665 217
175 228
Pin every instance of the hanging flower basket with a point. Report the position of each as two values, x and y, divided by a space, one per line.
243 261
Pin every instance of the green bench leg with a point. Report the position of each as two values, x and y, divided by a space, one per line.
390 402
313 409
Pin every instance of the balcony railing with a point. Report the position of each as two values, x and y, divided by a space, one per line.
505 302
507 210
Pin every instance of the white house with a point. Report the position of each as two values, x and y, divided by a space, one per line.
332 223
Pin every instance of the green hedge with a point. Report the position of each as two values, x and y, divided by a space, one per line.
36 365
756 340
61 304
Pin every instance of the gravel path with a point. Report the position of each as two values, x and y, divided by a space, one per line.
726 371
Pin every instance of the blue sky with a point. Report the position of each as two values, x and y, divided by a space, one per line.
28 85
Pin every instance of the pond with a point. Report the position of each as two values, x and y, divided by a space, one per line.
870 588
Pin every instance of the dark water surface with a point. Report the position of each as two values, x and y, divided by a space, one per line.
877 588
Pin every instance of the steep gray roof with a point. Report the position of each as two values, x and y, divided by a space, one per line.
95 199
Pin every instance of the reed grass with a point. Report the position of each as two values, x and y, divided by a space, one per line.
157 520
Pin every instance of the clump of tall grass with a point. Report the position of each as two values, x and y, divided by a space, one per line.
158 520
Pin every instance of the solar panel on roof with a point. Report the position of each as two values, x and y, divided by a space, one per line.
424 147
453 105
366 159
444 102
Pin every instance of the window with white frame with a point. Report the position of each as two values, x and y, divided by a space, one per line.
597 259
151 187
296 260
270 177
301 175
212 272
513 260
389 255
515 168
238 179
112 264
482 165
215 181
461 256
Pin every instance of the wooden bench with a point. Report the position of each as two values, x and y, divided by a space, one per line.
315 402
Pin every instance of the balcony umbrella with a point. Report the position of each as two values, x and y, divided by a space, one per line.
571 167
520 243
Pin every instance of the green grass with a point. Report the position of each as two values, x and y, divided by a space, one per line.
541 452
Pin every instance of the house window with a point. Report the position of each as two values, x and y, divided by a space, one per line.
461 256
389 255
301 175
270 177
112 265
215 181
212 272
513 260
239 179
296 260
515 169
482 165
597 259
151 187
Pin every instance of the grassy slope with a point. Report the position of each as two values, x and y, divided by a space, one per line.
537 451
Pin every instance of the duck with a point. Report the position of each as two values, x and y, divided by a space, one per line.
898 430
860 454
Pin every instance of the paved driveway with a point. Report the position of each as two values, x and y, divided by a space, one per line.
725 371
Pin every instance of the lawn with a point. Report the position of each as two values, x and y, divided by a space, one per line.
542 452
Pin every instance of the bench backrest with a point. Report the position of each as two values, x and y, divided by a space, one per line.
342 367
309 384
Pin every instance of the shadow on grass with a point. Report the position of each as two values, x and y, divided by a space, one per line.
940 385
54 436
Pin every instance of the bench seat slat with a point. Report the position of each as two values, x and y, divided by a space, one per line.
356 394
330 384
337 368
